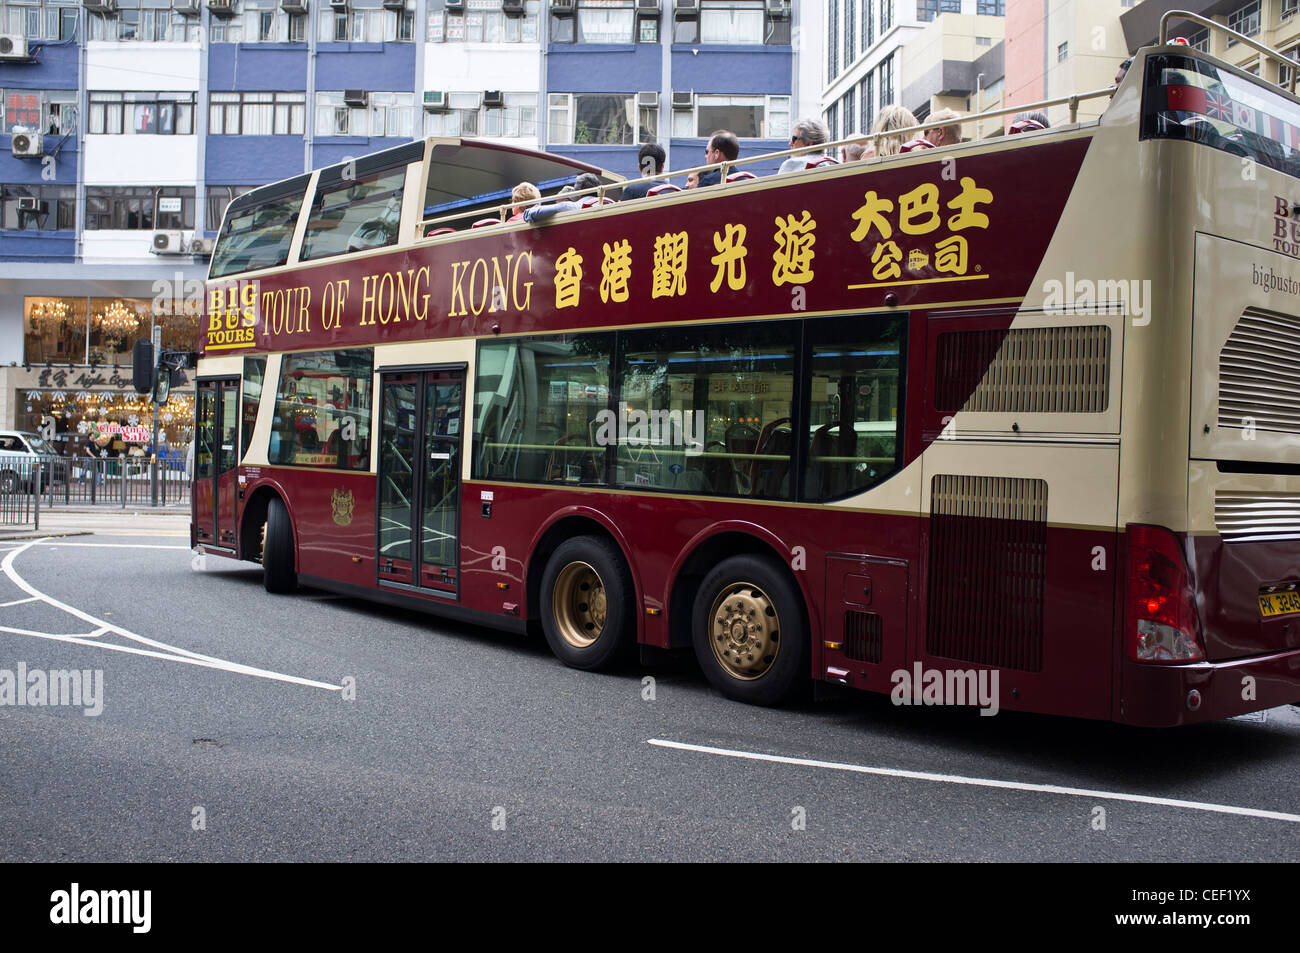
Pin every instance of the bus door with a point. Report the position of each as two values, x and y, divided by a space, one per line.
418 536
216 456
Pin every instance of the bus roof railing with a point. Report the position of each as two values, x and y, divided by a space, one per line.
1170 16
726 166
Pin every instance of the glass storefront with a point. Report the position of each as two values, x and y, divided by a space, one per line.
125 418
102 331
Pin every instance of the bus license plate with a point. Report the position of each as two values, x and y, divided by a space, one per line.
1278 603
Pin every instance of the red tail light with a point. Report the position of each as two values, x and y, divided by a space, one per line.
1162 624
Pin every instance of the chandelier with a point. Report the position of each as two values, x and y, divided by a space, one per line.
50 311
118 321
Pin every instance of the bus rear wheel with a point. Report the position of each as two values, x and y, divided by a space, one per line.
749 633
586 604
278 574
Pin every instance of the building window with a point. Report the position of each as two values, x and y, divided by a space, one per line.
868 24
136 113
257 114
1289 8
832 40
600 119
1063 52
139 208
366 21
734 23
480 25
886 15
927 10
259 21
833 120
466 115
993 8
52 111
850 32
149 21
867 97
384 115
218 197
886 71
46 208
52 20
983 41
848 108
749 117
1244 20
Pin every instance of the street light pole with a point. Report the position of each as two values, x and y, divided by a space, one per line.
153 398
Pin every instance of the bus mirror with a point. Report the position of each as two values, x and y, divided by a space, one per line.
142 367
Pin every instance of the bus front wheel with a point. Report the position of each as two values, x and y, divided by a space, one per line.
586 603
749 633
277 550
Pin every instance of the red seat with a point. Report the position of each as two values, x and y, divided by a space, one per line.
920 142
486 222
740 176
818 162
591 201
664 189
1024 125
439 231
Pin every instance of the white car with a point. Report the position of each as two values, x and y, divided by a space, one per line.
19 454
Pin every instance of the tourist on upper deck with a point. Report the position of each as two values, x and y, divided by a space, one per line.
892 117
650 161
585 181
1122 72
693 180
723 146
856 151
945 135
525 195
808 132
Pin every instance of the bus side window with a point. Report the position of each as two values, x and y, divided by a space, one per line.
355 215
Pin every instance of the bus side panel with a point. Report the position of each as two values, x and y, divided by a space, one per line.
333 514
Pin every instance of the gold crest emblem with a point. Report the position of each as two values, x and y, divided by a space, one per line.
341 503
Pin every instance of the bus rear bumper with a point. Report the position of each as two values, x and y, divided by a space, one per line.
1162 696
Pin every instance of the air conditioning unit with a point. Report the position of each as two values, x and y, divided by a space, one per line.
26 144
338 4
492 99
13 46
222 8
394 4
293 6
187 8
106 7
684 100
649 6
168 243
356 98
686 9
778 9
455 6
30 203
512 8
648 100
200 246
563 8
435 101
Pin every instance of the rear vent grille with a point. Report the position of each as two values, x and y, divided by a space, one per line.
863 636
988 557
1250 517
1025 370
1259 374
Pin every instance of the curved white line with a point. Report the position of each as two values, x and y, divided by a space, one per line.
170 652
981 782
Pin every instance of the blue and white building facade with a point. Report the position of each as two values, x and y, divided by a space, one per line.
129 124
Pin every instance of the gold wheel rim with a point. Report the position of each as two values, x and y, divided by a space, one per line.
580 604
744 631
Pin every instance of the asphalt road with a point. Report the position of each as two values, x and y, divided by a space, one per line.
227 733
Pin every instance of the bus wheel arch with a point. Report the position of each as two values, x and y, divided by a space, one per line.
576 557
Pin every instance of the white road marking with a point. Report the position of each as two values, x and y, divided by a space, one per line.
982 782
16 602
170 653
111 545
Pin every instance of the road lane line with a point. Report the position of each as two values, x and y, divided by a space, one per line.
981 782
173 652
17 602
107 545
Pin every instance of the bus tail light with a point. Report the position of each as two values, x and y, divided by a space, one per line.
1162 621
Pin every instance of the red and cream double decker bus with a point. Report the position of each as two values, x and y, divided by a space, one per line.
1026 405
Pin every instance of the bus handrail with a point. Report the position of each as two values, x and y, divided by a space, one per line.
1172 15
727 165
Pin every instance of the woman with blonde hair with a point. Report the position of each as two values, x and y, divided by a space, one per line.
525 194
892 117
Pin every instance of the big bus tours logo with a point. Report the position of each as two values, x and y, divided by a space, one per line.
1286 233
232 316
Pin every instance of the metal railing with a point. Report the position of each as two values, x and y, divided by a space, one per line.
26 488
1281 59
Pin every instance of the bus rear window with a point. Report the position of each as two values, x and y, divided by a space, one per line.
1185 98
356 215
256 234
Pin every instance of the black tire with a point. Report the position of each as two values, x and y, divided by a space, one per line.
8 482
587 605
278 574
749 631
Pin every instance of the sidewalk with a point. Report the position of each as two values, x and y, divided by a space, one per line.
74 521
